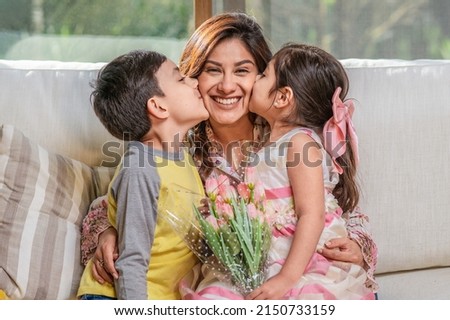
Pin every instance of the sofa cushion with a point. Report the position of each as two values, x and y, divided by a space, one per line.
402 119
425 284
49 101
43 197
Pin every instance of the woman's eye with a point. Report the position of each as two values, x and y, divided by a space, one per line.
181 79
212 70
242 71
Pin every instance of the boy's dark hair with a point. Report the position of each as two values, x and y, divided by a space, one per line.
122 90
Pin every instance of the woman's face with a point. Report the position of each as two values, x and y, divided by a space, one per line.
226 82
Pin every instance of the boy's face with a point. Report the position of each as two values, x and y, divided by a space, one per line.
182 98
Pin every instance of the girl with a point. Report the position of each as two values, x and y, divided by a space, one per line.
308 169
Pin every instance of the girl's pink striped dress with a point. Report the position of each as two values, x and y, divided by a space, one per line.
323 279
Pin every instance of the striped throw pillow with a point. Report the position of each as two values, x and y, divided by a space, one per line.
43 199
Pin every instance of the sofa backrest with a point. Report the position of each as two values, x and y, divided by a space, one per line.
50 102
402 118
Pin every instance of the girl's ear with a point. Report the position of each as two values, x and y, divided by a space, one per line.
156 110
284 97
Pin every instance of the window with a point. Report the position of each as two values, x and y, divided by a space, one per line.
99 30
92 30
390 29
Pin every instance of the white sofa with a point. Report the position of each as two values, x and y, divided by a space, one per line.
402 117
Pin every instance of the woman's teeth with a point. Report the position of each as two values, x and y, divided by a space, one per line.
227 101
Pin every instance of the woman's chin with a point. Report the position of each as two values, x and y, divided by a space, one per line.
230 120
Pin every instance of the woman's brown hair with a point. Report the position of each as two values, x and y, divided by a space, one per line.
231 25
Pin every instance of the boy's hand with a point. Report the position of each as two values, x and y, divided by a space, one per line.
273 289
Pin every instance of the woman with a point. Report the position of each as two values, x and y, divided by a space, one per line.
226 53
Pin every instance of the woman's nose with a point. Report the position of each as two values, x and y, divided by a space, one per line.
227 84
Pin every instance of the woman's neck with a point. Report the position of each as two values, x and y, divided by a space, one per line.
241 130
232 138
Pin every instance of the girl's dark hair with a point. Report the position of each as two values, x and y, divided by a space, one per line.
230 25
313 75
122 90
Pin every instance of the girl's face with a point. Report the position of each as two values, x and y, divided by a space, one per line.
226 82
262 98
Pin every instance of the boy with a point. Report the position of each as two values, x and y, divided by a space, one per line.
141 97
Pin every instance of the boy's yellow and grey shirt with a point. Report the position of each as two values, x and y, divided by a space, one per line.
147 184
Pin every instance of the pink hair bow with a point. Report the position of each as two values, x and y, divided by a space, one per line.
336 129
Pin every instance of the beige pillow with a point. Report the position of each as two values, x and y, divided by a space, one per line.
43 199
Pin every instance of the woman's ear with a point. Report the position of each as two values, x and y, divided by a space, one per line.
155 109
284 97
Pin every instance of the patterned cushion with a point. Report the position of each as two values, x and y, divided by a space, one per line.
43 199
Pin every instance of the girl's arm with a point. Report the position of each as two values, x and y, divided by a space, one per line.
359 248
304 166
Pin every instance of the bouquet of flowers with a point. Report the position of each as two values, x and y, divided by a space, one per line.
232 236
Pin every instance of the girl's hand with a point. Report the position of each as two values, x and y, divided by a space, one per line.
273 289
344 250
103 268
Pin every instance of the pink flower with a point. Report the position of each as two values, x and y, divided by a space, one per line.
259 192
252 211
219 200
255 214
212 221
225 210
227 192
244 191
212 188
221 223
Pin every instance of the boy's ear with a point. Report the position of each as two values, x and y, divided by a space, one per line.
155 108
284 97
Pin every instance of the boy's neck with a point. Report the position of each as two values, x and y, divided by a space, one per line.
165 141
